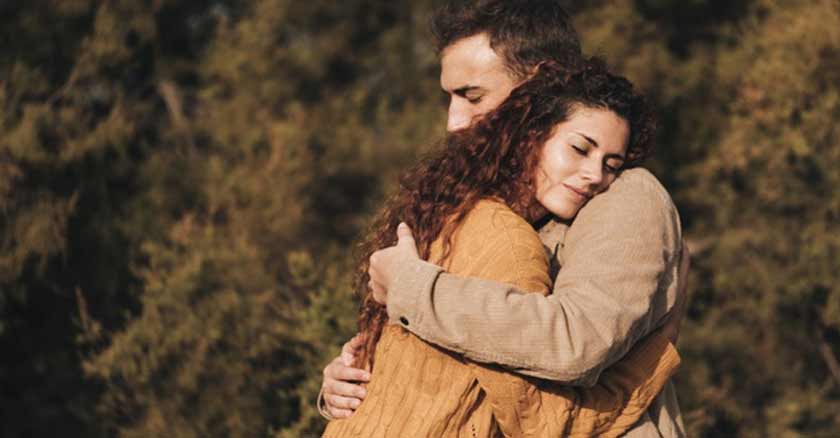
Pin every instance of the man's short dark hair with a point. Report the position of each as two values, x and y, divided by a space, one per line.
523 32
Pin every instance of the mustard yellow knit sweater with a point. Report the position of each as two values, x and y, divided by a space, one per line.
419 390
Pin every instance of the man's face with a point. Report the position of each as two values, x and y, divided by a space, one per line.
474 77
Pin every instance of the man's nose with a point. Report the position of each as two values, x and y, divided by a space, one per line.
459 116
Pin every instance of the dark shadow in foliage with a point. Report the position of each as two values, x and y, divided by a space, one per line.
336 201
687 22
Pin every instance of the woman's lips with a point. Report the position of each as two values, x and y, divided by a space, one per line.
583 195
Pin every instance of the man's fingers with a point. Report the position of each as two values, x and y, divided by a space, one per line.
340 372
354 344
344 389
375 277
346 358
373 267
339 369
379 293
374 286
349 351
339 413
339 402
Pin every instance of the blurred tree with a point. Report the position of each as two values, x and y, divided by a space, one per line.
75 121
278 143
764 349
181 183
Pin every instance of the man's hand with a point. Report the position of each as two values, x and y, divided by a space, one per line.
672 325
384 263
342 393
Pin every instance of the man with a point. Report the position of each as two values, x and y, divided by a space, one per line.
620 258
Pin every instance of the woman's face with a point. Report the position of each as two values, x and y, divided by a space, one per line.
580 159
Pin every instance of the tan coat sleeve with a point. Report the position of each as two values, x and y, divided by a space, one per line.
618 281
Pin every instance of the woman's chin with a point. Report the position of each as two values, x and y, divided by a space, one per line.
564 211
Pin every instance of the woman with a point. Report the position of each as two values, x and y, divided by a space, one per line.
559 139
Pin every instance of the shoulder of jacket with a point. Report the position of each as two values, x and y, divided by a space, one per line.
638 184
634 201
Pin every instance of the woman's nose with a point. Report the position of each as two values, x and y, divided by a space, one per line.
593 172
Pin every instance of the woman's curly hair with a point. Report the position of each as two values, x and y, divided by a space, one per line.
497 157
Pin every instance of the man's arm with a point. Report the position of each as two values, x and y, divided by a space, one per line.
618 281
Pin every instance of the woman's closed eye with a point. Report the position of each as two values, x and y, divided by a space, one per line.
582 150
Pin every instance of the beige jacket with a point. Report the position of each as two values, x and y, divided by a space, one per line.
618 282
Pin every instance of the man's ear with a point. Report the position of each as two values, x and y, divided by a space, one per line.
533 70
519 80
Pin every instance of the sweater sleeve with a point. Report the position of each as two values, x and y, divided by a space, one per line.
618 282
624 391
528 407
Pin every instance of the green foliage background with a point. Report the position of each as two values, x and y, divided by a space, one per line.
181 183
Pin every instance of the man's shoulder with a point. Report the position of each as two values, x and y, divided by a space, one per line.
635 188
635 196
637 182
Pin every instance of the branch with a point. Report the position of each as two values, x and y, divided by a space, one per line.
169 92
829 358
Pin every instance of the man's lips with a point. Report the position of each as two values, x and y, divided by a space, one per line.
582 193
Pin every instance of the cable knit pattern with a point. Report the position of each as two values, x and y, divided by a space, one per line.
419 390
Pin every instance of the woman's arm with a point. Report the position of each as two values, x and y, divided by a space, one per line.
623 392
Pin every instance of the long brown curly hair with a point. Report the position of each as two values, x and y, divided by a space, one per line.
497 157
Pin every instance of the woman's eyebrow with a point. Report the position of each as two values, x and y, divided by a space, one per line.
588 138
595 143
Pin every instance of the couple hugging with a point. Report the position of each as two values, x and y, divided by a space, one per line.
537 285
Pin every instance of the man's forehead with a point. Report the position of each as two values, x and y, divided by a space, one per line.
471 62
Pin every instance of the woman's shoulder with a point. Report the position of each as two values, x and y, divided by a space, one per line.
485 228
495 243
492 214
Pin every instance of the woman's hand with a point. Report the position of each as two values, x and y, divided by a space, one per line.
341 388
